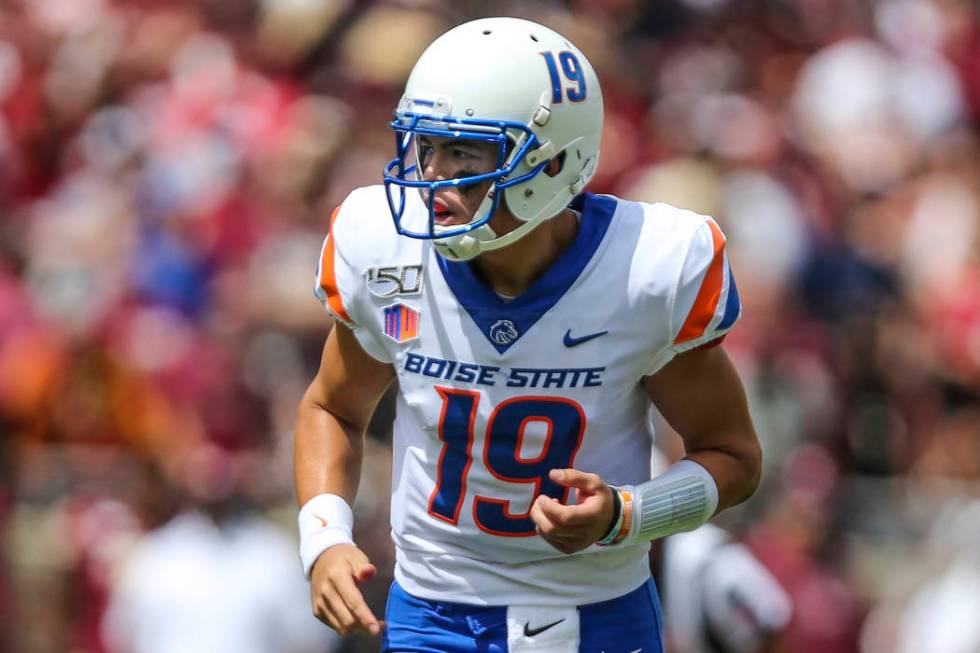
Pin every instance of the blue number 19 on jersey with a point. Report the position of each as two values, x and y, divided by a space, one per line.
564 423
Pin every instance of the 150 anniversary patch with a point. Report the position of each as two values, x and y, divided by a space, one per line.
391 280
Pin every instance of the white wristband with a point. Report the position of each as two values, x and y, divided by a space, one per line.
324 521
680 499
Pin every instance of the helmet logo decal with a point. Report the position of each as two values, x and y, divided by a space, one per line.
503 332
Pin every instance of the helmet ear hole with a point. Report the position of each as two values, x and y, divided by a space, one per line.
555 166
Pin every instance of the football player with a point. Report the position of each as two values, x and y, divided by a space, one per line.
528 325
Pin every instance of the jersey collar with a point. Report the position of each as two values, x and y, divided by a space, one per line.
504 322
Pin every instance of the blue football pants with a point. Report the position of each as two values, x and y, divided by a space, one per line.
622 625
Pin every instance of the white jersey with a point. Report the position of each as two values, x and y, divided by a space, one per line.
494 393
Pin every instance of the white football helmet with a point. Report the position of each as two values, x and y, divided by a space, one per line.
506 81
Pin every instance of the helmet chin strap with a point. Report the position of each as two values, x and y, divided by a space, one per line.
468 246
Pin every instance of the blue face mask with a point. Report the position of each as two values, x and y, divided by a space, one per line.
399 175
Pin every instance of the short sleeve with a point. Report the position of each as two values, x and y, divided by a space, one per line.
705 304
333 277
337 283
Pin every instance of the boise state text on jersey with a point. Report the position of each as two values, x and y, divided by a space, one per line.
517 377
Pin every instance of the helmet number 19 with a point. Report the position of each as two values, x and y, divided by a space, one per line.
572 72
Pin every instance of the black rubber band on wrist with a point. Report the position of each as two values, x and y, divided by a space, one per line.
617 511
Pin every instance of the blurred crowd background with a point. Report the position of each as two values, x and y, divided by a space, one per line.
166 173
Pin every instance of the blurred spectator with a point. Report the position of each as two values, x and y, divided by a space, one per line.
796 541
214 577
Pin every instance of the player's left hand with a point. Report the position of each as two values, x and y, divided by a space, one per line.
571 528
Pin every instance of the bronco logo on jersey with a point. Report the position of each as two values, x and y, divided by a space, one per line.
401 322
503 332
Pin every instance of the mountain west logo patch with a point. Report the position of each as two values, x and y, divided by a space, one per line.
503 332
401 322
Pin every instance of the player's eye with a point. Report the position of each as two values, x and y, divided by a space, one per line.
424 154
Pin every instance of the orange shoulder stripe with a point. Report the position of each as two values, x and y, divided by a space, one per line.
328 275
706 303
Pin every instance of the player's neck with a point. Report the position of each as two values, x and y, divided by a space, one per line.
510 271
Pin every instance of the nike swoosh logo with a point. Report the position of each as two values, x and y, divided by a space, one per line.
531 632
572 341
322 520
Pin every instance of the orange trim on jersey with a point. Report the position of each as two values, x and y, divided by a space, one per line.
706 303
328 274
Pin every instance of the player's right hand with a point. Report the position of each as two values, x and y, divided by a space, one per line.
336 599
